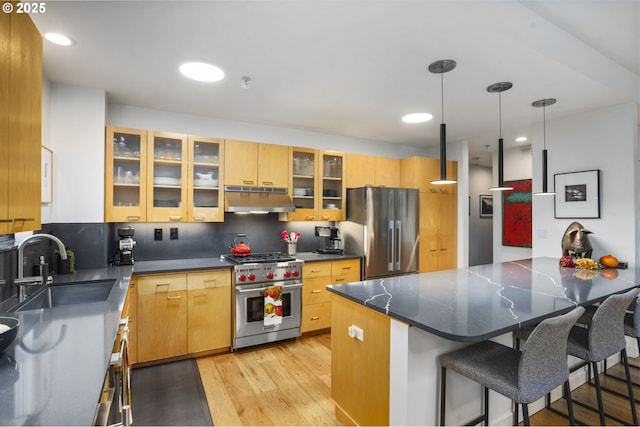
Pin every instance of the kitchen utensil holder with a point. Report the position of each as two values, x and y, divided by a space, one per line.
292 248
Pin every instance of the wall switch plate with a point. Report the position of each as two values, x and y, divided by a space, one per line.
157 234
173 233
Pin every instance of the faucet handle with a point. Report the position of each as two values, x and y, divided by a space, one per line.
31 280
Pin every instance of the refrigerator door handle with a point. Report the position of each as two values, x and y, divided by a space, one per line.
391 246
398 240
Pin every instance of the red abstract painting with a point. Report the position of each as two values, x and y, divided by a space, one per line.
517 214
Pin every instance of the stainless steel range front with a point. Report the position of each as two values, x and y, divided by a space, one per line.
253 275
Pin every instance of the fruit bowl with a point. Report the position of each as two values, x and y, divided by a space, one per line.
8 332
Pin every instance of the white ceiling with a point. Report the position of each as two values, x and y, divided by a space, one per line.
354 67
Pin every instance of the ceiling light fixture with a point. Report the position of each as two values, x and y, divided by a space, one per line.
499 88
245 82
543 103
440 67
202 72
59 39
521 139
417 117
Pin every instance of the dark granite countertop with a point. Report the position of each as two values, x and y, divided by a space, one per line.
53 373
313 257
477 303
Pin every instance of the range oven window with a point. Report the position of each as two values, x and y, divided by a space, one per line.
255 307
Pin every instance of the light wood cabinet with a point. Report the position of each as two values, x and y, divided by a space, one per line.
162 316
208 310
182 314
365 170
317 186
166 177
438 237
316 300
205 168
125 175
256 164
20 123
418 172
131 311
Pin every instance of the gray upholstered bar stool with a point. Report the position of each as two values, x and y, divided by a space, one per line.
522 376
598 337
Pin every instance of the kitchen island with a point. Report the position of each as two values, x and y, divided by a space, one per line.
391 376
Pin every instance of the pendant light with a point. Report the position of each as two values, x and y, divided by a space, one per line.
499 88
440 67
543 103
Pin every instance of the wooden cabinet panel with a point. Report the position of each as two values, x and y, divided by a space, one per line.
387 172
5 27
208 279
316 316
162 316
242 162
360 170
314 290
345 271
23 138
418 172
131 311
273 165
438 235
209 319
316 269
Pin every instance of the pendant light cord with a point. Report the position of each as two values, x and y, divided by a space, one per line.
500 113
442 94
544 127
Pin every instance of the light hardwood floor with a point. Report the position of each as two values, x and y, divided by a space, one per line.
289 383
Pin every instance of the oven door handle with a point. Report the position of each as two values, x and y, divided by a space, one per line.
245 291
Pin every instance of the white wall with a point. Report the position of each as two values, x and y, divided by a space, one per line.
74 120
605 139
517 166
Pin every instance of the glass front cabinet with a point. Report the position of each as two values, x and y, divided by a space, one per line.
125 175
205 171
167 177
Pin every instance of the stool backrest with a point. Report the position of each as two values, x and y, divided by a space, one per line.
543 363
636 317
606 332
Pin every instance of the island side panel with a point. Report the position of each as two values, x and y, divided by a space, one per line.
359 369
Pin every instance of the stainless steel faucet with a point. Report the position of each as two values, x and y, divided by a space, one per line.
22 281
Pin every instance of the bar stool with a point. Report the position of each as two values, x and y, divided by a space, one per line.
598 335
522 376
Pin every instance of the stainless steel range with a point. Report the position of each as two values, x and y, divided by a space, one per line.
253 274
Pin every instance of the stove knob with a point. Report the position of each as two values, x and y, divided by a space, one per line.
270 275
243 278
296 273
288 274
252 277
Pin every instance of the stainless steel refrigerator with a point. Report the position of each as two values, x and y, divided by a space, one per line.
382 226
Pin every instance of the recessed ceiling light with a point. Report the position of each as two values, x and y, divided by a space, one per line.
59 39
521 139
417 118
201 71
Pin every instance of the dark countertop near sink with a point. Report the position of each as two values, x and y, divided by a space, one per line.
53 373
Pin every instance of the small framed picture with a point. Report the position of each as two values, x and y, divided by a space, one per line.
486 206
577 194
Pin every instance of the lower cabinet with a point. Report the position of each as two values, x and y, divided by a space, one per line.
183 313
316 300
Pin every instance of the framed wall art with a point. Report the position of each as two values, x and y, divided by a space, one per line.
517 214
46 169
577 194
486 206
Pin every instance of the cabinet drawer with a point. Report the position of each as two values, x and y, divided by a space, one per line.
345 271
316 269
153 284
316 316
313 291
209 279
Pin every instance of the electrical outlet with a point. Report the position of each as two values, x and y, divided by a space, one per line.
356 332
173 233
157 234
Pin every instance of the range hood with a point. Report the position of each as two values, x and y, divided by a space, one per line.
243 199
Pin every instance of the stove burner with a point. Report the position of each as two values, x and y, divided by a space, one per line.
264 257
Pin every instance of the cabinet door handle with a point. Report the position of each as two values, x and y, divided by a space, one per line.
198 218
443 249
433 250
24 219
214 281
133 217
326 217
310 218
433 190
315 317
175 217
316 291
247 182
174 296
6 220
339 280
267 182
200 294
315 271
158 285
346 268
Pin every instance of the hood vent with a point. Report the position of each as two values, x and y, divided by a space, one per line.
257 199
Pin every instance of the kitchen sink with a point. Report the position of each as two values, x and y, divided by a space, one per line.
68 294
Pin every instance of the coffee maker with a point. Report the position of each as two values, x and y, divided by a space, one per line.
331 241
125 246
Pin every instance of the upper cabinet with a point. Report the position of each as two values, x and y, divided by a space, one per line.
256 164
317 185
372 170
20 123
418 172
125 175
205 168
167 177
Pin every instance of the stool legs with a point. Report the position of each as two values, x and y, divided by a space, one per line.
629 386
443 389
567 396
596 378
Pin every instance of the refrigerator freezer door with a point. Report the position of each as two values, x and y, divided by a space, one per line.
378 239
407 214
